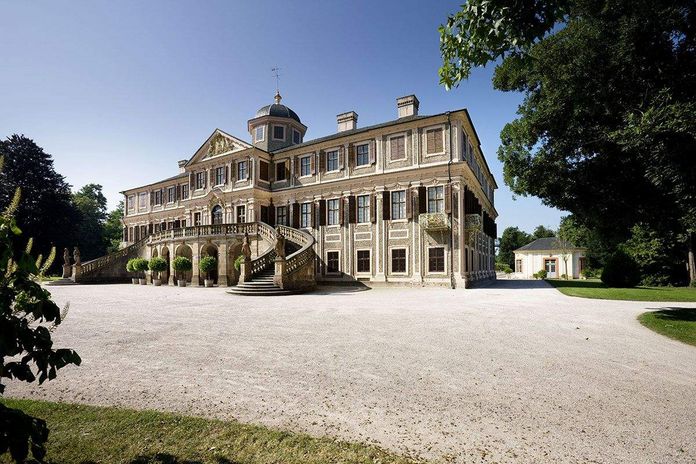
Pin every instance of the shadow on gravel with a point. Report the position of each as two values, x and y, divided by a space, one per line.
336 289
512 284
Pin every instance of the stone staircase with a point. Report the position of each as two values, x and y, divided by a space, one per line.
260 285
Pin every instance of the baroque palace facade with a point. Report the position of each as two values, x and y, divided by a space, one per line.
409 201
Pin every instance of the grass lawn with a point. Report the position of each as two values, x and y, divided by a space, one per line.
596 289
677 323
87 434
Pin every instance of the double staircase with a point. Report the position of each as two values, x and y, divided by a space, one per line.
260 285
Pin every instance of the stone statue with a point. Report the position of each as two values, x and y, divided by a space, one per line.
246 249
76 257
67 268
280 245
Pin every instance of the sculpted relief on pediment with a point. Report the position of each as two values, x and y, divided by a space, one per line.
220 144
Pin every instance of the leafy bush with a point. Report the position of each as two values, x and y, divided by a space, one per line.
182 264
157 265
507 270
564 276
207 264
238 262
621 271
140 264
542 274
129 265
28 316
590 273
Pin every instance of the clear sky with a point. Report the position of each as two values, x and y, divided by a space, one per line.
119 91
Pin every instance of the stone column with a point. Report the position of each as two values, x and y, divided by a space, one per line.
245 271
380 239
223 280
195 273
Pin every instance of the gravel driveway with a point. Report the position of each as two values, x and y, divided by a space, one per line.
515 372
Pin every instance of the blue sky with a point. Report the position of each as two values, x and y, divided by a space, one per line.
119 91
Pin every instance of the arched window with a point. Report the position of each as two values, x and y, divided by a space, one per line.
217 215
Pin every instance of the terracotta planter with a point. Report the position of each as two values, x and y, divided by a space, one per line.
209 283
156 282
143 281
135 280
181 283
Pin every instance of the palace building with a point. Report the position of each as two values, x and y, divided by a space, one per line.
408 201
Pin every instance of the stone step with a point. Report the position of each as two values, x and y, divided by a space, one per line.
256 292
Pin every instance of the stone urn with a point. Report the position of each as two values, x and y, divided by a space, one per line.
209 282
156 282
181 283
142 281
135 280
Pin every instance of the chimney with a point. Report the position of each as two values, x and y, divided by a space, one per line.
182 165
407 106
347 121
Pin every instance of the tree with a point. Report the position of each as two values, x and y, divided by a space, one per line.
91 203
47 197
606 129
27 318
113 229
542 232
512 239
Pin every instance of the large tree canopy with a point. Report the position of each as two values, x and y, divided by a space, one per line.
90 235
606 128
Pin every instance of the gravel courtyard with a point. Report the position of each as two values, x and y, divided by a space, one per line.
515 372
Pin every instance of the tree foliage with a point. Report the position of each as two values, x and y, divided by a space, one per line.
606 128
27 318
90 234
113 229
512 239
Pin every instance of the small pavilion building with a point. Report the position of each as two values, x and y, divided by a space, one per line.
559 258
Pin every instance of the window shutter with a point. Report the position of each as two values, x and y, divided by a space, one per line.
212 176
322 161
430 141
150 228
373 152
178 193
439 141
227 174
296 215
297 166
341 156
287 168
386 205
312 163
422 200
448 198
352 210
313 214
152 198
352 156
271 215
191 187
373 208
409 203
272 166
250 169
341 211
322 212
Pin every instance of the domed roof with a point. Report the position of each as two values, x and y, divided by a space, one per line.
278 110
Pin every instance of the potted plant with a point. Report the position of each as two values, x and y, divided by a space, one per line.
157 265
181 264
140 265
207 265
131 270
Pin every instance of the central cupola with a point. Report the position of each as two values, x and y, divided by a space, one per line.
276 126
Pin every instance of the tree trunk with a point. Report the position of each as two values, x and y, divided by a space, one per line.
692 258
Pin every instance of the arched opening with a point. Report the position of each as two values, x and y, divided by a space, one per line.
185 250
211 250
165 256
217 215
234 253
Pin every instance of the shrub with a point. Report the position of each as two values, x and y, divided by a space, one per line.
542 274
182 264
507 270
621 271
238 262
590 273
207 265
535 275
129 265
564 276
140 264
158 265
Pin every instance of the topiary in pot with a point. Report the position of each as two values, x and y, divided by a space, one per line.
157 265
238 262
181 264
141 265
130 269
621 271
207 264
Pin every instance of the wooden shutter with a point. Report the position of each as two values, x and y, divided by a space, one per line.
313 214
212 176
312 164
373 152
322 161
409 203
272 166
386 205
352 156
373 208
322 213
296 215
150 228
271 215
448 198
341 211
205 179
263 170
341 156
297 166
422 200
352 209
264 214
233 172
152 198
227 174
178 192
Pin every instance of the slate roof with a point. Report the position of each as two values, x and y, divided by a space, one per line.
278 110
547 244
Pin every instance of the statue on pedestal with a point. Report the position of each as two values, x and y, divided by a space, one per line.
246 249
280 245
76 257
67 268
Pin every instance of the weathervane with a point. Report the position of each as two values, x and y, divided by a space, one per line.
276 74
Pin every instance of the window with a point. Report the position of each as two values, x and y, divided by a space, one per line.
363 261
436 199
398 260
436 259
332 160
171 194
362 155
306 215
332 208
397 148
158 197
242 170
282 215
305 166
131 202
518 265
216 215
280 171
197 219
398 205
296 136
184 191
183 223
332 262
142 200
433 141
219 176
259 134
363 208
279 132
241 213
200 180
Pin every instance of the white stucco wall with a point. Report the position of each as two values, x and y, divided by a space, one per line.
533 262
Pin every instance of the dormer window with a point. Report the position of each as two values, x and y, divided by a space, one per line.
278 132
260 133
296 136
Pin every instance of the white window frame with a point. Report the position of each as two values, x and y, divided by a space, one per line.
299 136
236 213
389 153
277 166
222 176
440 127
246 170
307 214
338 159
363 273
263 133
202 175
333 273
437 200
169 194
142 201
131 202
391 271
185 186
338 212
444 261
366 209
273 128
357 145
286 221
309 165
391 205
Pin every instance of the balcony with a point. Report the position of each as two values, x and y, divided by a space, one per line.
433 222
